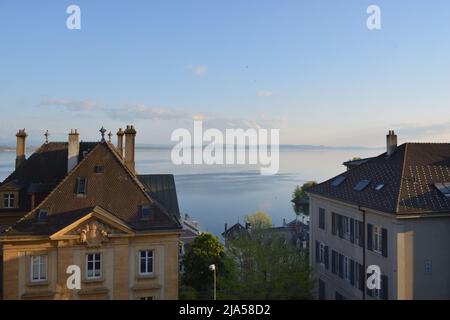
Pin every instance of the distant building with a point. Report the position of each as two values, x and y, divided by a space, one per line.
83 204
191 230
296 232
392 211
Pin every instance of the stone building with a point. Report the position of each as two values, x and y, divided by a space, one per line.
83 205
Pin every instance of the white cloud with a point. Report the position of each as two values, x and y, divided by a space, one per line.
264 93
74 105
199 70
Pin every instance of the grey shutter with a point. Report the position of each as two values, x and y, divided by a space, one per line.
326 257
384 249
333 223
362 283
352 272
369 236
352 230
317 252
333 261
340 227
384 287
361 233
341 266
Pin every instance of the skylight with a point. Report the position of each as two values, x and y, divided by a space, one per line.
361 185
337 181
379 186
444 188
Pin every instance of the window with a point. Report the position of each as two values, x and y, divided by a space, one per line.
322 253
361 185
377 238
338 180
99 169
347 227
145 212
8 200
42 215
322 218
146 262
379 186
81 186
321 290
428 267
93 265
38 268
347 273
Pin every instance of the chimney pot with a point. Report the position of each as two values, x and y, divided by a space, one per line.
73 150
391 143
130 136
21 147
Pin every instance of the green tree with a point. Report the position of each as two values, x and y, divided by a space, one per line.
259 220
300 192
268 268
197 279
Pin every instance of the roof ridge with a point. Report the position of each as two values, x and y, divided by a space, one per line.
52 192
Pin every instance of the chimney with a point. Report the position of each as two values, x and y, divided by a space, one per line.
21 147
226 227
391 143
120 142
73 150
130 135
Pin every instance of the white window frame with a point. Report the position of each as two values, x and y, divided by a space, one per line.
39 261
347 228
347 273
321 252
9 200
146 273
377 240
94 276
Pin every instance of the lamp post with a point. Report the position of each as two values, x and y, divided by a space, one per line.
212 268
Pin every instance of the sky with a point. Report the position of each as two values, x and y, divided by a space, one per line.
310 68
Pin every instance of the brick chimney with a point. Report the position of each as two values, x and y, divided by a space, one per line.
21 147
73 149
120 142
391 143
130 135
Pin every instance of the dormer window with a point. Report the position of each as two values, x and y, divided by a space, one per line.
9 200
145 212
42 215
81 187
99 169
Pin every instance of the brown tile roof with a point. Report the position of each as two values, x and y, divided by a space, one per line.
408 176
116 190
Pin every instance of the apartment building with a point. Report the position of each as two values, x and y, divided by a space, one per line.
392 211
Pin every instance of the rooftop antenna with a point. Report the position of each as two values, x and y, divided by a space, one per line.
46 134
109 136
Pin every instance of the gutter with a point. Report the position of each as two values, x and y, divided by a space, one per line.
364 247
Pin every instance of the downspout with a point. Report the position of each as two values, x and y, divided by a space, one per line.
364 248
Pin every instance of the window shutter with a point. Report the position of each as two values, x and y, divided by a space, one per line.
333 261
384 287
333 223
384 239
341 266
340 227
361 233
317 252
326 257
352 230
352 272
361 271
369 236
77 183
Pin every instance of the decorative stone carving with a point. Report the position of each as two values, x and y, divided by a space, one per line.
93 233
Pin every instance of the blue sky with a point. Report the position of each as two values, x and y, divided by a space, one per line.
310 68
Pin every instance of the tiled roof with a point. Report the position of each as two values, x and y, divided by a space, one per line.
407 176
116 190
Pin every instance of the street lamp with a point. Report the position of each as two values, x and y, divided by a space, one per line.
212 268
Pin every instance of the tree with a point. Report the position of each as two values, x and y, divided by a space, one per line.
299 198
197 279
259 220
269 268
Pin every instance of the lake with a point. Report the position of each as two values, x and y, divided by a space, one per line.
215 195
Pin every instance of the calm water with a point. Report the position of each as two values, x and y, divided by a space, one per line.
214 195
